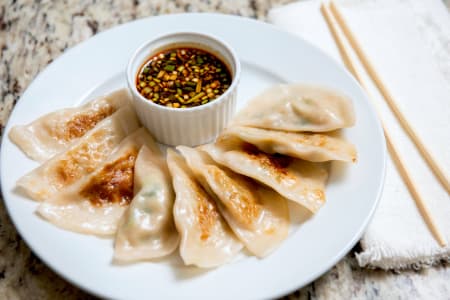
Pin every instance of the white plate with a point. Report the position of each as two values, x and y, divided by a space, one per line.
268 56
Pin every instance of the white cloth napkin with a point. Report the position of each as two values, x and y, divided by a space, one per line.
409 43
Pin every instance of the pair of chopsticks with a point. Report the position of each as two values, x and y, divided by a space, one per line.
331 12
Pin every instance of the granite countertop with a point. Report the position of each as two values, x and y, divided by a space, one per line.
33 33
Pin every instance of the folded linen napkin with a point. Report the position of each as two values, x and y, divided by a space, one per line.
409 43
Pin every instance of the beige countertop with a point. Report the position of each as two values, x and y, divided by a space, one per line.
33 33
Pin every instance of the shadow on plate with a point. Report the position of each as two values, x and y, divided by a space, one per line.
338 172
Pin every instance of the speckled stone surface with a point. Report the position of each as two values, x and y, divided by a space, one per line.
33 33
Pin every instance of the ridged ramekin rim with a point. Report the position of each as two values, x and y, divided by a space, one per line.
208 106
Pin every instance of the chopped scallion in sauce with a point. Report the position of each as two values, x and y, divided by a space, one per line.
183 77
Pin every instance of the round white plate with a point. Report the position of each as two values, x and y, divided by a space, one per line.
268 56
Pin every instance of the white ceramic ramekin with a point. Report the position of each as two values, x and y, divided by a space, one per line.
185 126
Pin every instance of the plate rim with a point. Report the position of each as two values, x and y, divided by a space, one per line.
325 267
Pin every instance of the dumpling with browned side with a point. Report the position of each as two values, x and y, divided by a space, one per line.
206 240
257 215
54 132
295 179
146 229
80 159
317 147
96 204
298 107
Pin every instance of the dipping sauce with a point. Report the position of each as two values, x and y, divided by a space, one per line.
183 77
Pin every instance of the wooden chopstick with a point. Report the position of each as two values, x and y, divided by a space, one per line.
435 167
401 166
412 187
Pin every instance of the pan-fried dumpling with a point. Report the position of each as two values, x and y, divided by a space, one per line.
54 132
298 107
82 158
95 204
295 179
146 229
206 239
315 147
257 215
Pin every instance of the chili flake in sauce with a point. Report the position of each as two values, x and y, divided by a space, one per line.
183 77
